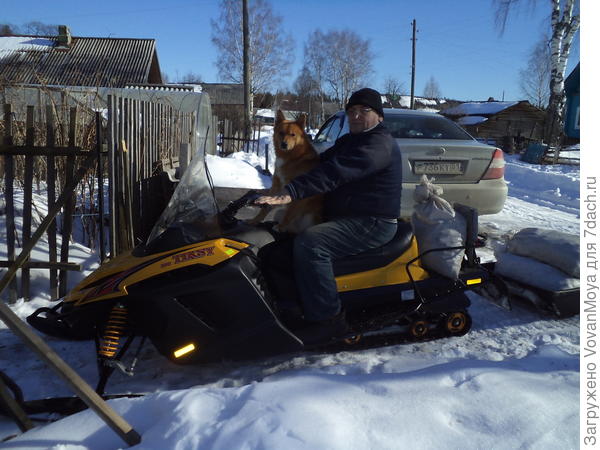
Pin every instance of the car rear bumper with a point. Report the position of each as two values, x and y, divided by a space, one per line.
487 196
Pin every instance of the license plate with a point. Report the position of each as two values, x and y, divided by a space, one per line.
438 167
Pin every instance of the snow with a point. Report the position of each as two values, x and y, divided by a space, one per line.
471 120
265 113
427 102
239 170
511 382
11 44
478 108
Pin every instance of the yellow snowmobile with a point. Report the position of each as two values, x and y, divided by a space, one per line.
207 286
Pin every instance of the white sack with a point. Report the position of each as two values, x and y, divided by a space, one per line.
556 248
534 273
436 225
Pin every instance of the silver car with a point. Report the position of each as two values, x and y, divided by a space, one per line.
469 172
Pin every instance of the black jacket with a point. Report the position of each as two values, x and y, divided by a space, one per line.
361 175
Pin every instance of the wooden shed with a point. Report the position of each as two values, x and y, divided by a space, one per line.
66 60
510 125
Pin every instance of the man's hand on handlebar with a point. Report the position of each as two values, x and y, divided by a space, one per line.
281 198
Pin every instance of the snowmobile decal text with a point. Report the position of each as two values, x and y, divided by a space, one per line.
193 254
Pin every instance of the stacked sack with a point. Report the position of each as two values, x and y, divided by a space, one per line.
545 259
437 226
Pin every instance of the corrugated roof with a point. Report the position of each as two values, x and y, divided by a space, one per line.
478 108
111 62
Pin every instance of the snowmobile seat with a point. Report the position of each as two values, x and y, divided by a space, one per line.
377 257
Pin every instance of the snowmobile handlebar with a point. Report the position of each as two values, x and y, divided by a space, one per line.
227 216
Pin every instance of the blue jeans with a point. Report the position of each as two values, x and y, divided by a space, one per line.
317 247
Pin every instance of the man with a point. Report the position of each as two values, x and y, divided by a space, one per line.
361 177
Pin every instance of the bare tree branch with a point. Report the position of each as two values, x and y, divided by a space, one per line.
535 77
564 23
271 50
432 89
393 88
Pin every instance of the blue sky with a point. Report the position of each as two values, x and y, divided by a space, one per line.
457 42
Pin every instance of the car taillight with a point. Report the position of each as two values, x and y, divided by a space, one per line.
496 167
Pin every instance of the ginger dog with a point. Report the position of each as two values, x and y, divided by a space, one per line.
295 155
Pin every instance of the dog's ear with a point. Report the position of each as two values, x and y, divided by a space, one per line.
280 116
301 121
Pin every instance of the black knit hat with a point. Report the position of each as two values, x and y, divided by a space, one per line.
366 97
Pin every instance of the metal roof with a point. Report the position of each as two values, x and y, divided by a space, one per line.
224 93
111 62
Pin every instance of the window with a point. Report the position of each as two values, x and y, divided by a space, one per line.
322 136
333 129
424 127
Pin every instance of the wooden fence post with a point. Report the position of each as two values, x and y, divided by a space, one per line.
51 185
67 222
28 197
100 175
112 174
10 202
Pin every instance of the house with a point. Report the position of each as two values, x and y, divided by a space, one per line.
266 116
226 100
572 106
66 60
421 103
511 125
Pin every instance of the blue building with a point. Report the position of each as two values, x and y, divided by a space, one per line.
572 106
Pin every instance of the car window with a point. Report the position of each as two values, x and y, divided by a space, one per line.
424 127
331 130
322 135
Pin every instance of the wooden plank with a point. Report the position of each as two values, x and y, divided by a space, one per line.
37 344
129 235
112 209
42 151
67 223
45 265
134 154
72 378
100 176
14 410
28 198
142 144
51 187
9 198
120 184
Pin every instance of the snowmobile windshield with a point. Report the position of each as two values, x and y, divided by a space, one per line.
192 212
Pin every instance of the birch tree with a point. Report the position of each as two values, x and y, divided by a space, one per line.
535 77
271 49
348 63
339 62
315 61
564 23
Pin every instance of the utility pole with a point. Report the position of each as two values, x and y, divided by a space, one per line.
414 64
247 99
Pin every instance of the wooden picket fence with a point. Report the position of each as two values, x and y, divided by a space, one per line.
145 141
19 161
142 141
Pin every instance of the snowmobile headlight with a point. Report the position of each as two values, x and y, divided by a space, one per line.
473 281
184 350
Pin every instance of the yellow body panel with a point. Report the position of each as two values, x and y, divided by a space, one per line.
112 278
393 273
